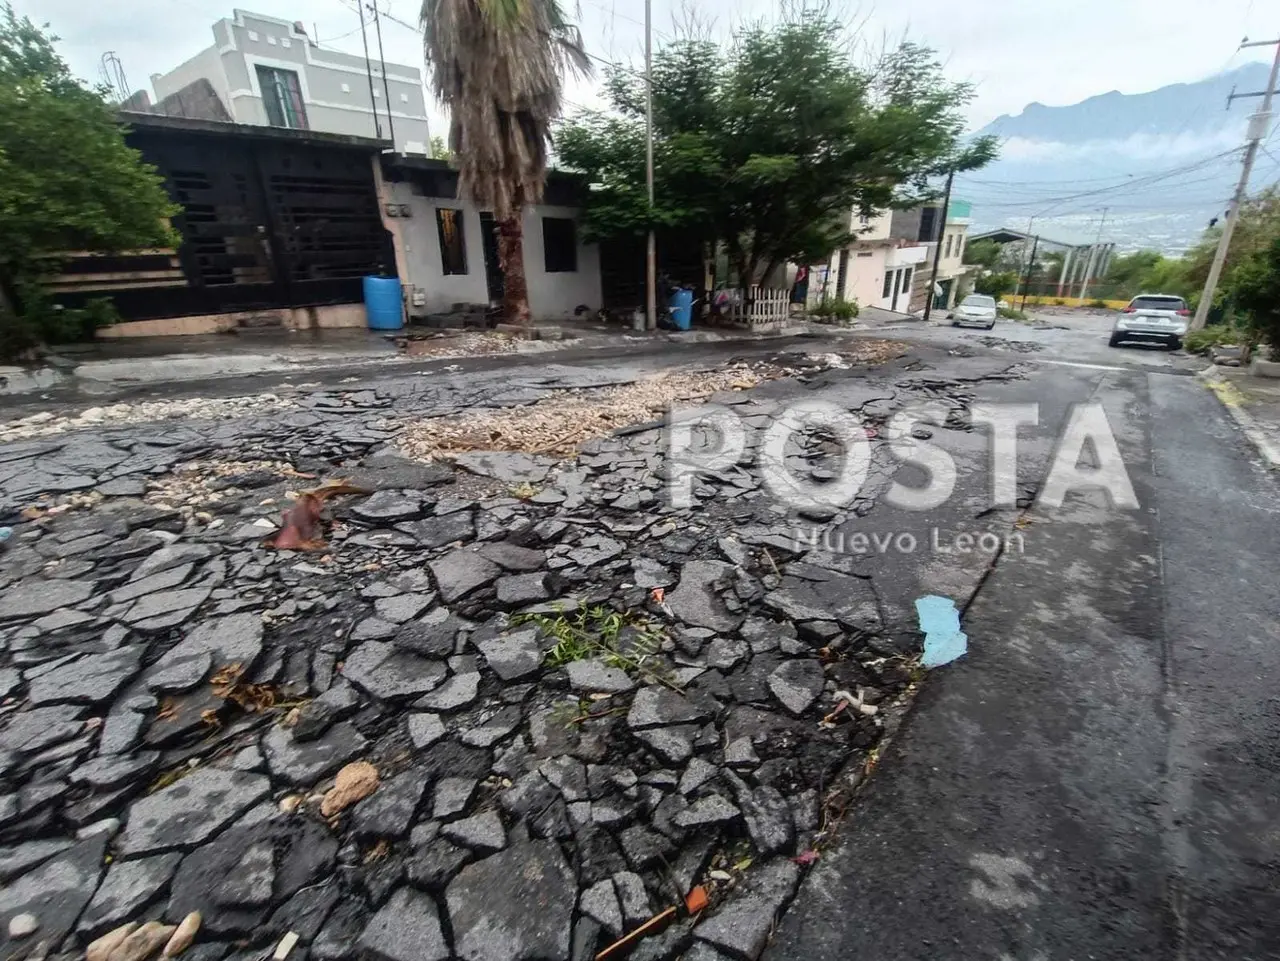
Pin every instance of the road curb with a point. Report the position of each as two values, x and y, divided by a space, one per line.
1233 401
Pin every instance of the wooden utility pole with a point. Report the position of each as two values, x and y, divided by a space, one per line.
651 252
937 250
1259 123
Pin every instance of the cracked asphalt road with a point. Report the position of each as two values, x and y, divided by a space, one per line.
1092 780
1100 776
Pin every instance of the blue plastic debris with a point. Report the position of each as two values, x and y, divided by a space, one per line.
940 621
5 534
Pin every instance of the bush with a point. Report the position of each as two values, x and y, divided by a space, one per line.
1099 304
41 322
1009 313
836 310
1199 341
1059 302
996 284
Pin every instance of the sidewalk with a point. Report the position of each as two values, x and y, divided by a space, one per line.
1254 403
101 367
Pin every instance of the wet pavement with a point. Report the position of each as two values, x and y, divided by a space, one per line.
518 706
1097 778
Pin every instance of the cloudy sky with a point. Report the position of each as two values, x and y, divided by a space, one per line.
1052 51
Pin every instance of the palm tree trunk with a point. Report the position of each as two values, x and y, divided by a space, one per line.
515 289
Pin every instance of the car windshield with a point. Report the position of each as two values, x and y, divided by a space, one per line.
1158 303
978 300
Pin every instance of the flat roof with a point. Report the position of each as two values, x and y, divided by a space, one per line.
158 121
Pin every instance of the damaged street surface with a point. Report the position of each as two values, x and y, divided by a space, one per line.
428 665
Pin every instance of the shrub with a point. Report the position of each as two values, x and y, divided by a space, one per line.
41 321
1099 304
836 310
1059 302
1009 313
1199 341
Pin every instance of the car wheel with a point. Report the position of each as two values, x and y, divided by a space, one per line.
990 325
1175 344
955 323
1115 340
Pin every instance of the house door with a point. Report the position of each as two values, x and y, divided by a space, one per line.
842 274
492 265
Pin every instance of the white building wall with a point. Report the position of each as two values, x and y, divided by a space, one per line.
335 86
206 65
557 295
552 296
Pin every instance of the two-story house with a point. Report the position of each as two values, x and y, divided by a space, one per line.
889 264
265 71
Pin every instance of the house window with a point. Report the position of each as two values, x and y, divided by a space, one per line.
906 278
888 283
453 246
282 96
948 253
560 245
959 245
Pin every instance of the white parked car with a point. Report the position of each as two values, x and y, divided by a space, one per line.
976 310
1152 318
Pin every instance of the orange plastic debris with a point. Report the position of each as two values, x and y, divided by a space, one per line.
657 594
696 900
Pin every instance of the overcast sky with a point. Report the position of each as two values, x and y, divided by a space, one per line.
1052 51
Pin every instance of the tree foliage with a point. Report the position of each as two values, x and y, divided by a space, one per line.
769 145
996 284
1255 286
984 253
67 179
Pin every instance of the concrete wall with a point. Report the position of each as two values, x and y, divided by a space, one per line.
557 295
335 86
206 65
551 295
420 241
325 317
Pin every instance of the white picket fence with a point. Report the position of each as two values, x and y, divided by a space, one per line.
759 309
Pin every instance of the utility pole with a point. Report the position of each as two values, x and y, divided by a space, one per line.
1258 125
1031 266
651 253
368 72
386 88
1093 253
937 250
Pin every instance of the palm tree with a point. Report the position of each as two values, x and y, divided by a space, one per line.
498 66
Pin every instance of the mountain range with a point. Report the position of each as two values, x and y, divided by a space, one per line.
1157 160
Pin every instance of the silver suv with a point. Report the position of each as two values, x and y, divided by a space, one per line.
1152 318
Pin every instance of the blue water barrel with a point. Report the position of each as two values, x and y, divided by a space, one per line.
382 303
681 305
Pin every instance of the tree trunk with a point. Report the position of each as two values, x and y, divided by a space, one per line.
515 289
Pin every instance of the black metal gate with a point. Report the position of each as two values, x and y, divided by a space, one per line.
265 223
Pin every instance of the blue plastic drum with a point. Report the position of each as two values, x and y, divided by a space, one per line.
383 304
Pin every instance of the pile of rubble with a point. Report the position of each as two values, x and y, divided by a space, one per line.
497 729
46 423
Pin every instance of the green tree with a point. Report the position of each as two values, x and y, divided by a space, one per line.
996 284
67 180
440 149
1255 287
767 146
498 66
984 253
